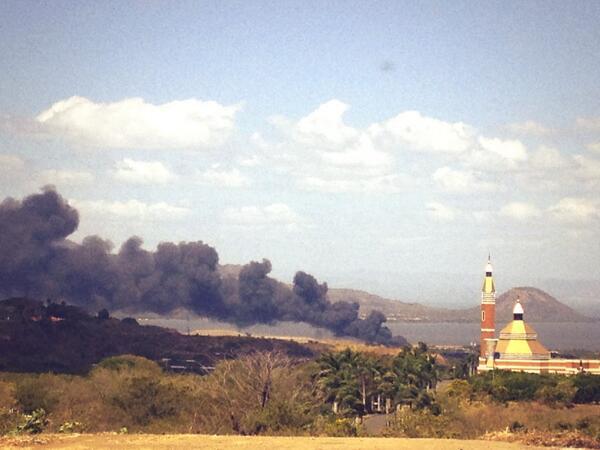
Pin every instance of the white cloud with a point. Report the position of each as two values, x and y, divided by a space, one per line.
387 184
509 149
324 127
323 153
520 211
11 163
232 178
575 210
134 123
423 133
142 172
251 161
132 209
65 177
529 127
587 168
276 214
461 181
547 158
441 212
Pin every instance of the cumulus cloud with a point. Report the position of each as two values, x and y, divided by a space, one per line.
520 211
387 184
324 127
322 152
132 209
548 158
441 212
575 210
276 214
423 133
135 123
513 150
231 178
142 172
529 127
461 181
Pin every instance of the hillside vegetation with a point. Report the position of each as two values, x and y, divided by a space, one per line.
61 338
337 394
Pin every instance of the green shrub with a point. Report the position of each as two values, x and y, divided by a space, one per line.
146 398
336 427
278 416
34 423
129 362
588 388
459 389
560 394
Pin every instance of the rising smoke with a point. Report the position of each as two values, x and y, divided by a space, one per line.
37 260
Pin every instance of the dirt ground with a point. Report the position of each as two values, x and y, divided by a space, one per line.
186 441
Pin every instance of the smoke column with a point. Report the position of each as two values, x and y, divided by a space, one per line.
37 260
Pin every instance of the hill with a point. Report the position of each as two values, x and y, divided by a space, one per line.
394 309
539 307
65 339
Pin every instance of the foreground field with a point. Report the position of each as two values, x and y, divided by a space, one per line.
187 441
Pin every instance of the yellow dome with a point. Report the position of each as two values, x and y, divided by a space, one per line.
519 341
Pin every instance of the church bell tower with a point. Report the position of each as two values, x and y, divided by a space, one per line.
488 310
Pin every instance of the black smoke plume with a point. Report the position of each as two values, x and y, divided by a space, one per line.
37 260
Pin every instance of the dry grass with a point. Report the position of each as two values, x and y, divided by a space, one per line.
334 344
186 441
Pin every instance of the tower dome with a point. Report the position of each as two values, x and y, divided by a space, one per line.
488 267
518 310
518 340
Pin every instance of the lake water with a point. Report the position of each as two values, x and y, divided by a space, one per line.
555 336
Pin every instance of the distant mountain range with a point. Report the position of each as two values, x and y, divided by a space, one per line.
539 307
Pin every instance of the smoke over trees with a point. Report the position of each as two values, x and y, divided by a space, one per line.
37 260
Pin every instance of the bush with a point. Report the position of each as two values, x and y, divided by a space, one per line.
588 388
460 390
32 394
9 419
336 427
278 416
34 423
560 394
146 398
129 362
516 426
71 427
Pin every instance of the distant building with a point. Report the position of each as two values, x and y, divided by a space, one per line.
518 348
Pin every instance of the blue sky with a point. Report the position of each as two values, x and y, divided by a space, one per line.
359 141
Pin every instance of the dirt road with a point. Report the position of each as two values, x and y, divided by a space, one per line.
186 441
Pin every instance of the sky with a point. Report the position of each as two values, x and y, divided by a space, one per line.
382 145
